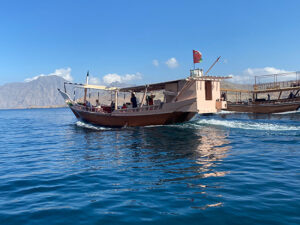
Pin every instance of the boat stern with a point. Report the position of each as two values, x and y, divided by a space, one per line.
206 92
221 105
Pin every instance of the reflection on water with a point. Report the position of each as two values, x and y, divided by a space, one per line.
162 157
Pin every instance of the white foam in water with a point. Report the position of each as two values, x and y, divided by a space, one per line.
290 112
247 125
225 112
90 126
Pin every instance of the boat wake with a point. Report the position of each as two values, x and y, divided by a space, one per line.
290 112
247 125
90 126
226 112
199 123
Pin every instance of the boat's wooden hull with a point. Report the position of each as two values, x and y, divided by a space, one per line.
110 120
264 108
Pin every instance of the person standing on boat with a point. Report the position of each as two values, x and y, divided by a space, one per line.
150 99
269 97
112 105
133 100
223 96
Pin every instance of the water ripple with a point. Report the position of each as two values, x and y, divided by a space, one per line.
222 169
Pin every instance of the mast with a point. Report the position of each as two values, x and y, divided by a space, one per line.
85 90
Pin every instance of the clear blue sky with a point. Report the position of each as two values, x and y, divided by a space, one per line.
124 37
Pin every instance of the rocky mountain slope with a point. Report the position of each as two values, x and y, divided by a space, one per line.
37 93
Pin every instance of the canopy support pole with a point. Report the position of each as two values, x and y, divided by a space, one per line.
144 97
116 100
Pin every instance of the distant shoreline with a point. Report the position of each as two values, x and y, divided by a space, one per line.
38 107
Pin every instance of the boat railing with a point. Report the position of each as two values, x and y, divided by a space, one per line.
276 101
141 109
277 81
277 85
90 109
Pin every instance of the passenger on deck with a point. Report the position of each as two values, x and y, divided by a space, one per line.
133 100
112 106
124 106
269 97
223 96
291 95
88 104
150 99
97 104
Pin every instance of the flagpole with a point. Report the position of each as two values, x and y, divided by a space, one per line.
193 60
85 90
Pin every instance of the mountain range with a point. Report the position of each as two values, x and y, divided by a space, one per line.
42 92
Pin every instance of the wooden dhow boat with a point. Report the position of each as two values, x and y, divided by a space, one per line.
273 106
280 95
182 99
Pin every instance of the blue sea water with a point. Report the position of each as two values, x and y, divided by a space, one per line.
220 169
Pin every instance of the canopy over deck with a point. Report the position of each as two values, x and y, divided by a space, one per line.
90 86
141 88
261 91
162 85
150 87
273 83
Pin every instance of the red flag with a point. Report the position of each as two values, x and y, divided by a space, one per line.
197 56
